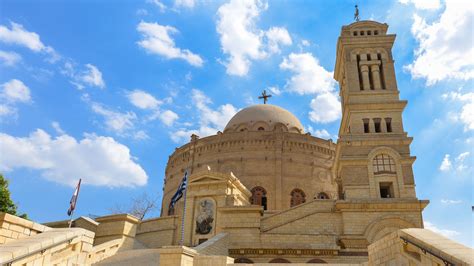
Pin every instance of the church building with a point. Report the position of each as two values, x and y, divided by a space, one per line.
284 195
265 191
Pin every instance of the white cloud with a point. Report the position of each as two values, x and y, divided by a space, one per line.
210 120
459 161
241 40
31 40
143 100
466 115
184 3
98 160
93 77
446 163
325 108
277 36
88 76
9 58
309 76
445 46
159 4
450 202
305 43
168 117
156 39
15 91
58 128
19 36
445 232
423 4
320 133
146 101
458 164
7 110
115 121
274 90
140 135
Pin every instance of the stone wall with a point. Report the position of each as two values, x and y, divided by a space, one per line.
277 161
157 232
13 227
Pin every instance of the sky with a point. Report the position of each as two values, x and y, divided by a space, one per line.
106 90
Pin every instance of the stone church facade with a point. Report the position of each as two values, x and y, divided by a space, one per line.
264 191
282 194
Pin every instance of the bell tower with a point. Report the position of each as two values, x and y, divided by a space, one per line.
373 151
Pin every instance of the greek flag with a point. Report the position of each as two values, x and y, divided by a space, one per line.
180 191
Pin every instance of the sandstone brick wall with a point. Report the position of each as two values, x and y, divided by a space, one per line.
218 245
13 227
277 161
158 232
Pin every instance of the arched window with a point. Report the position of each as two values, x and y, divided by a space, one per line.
259 197
243 260
384 164
297 197
322 195
279 260
316 261
261 129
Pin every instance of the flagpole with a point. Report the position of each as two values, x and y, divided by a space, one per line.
70 220
181 241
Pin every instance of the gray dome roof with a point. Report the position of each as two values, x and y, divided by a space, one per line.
267 113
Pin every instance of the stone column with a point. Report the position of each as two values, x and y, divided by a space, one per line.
364 69
376 76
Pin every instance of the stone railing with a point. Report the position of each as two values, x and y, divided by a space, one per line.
295 213
52 247
416 246
217 245
13 227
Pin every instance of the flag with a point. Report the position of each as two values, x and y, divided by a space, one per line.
180 191
72 203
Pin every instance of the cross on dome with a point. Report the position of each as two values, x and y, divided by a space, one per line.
265 96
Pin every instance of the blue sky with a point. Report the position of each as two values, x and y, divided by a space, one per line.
106 91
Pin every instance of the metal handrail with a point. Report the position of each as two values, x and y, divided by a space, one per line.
424 250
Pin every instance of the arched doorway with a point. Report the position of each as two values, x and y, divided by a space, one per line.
279 260
259 197
297 197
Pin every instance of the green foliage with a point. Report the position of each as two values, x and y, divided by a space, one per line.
6 203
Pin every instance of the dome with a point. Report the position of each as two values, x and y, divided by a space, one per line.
264 116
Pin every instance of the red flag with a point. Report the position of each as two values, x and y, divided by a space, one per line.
72 203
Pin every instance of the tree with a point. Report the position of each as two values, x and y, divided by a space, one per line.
6 203
140 207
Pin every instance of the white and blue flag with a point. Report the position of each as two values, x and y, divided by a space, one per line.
179 193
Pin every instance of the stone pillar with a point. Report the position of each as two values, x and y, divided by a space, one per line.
364 69
376 76
116 226
177 256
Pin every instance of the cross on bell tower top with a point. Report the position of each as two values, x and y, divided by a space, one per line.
265 96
